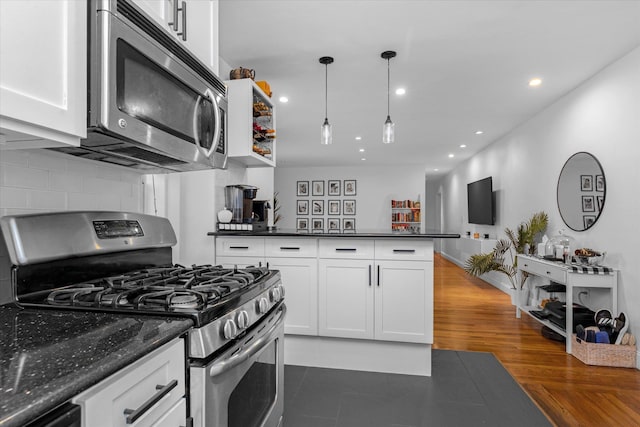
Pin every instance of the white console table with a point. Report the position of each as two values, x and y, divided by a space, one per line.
562 273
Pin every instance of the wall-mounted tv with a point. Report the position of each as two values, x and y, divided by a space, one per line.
480 202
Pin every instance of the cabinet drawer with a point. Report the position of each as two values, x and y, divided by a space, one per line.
291 248
159 374
240 246
346 248
553 272
404 249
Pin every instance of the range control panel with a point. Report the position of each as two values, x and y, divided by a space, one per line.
117 228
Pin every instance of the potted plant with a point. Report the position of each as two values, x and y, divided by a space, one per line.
276 207
504 257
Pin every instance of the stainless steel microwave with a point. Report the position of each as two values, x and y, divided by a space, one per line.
152 105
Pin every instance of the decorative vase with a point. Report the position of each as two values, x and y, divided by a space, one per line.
519 297
225 215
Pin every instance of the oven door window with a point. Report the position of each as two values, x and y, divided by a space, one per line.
151 94
253 397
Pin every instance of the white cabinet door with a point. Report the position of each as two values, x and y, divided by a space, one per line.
159 374
300 281
43 73
346 298
195 25
158 10
404 301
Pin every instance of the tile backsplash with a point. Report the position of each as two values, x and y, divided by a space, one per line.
41 180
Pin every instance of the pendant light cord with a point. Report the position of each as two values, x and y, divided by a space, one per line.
326 96
388 84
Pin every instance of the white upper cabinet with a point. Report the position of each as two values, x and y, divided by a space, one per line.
43 77
193 22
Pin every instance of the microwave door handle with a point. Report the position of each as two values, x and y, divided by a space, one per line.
216 118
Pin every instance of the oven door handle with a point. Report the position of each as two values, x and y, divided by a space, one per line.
231 362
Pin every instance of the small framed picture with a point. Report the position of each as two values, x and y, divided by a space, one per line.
586 182
334 187
333 225
317 188
588 204
588 220
317 225
348 207
303 188
349 187
317 207
349 225
334 207
600 183
302 224
303 207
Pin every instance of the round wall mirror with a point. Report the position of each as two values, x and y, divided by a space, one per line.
581 191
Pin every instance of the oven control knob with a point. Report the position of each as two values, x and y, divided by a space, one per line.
230 330
242 319
274 295
281 291
263 305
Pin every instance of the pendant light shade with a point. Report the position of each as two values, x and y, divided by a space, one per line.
388 131
325 130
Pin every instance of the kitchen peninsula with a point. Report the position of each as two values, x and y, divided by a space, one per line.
358 300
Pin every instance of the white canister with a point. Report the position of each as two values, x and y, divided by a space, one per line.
225 215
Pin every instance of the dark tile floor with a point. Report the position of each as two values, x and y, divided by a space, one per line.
465 389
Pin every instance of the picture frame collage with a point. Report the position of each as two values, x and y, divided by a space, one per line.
592 204
326 206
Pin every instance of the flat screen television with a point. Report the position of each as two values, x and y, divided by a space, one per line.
480 202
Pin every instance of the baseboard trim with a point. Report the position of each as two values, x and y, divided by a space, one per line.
358 355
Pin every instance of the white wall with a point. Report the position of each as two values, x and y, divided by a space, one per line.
601 116
375 189
39 180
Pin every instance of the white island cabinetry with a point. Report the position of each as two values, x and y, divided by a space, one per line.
353 302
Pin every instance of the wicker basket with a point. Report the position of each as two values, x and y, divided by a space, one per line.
622 356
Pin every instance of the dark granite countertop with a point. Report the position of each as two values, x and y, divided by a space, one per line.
362 233
49 356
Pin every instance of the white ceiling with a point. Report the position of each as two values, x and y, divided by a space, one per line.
465 66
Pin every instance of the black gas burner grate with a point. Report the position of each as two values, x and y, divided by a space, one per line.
176 288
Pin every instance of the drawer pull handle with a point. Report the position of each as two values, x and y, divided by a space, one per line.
378 278
289 248
345 249
163 390
239 247
404 251
369 275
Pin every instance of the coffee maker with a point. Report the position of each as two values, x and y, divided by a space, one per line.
239 200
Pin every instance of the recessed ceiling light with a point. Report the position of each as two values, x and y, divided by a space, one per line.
450 155
283 99
400 91
362 150
436 170
363 159
463 145
535 82
479 132
358 138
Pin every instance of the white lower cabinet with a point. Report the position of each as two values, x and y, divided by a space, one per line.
346 298
149 392
300 281
379 299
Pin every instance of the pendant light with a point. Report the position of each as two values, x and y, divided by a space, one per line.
388 128
325 131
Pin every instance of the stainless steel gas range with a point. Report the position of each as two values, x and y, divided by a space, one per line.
122 262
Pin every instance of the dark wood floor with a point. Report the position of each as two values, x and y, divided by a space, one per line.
473 315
